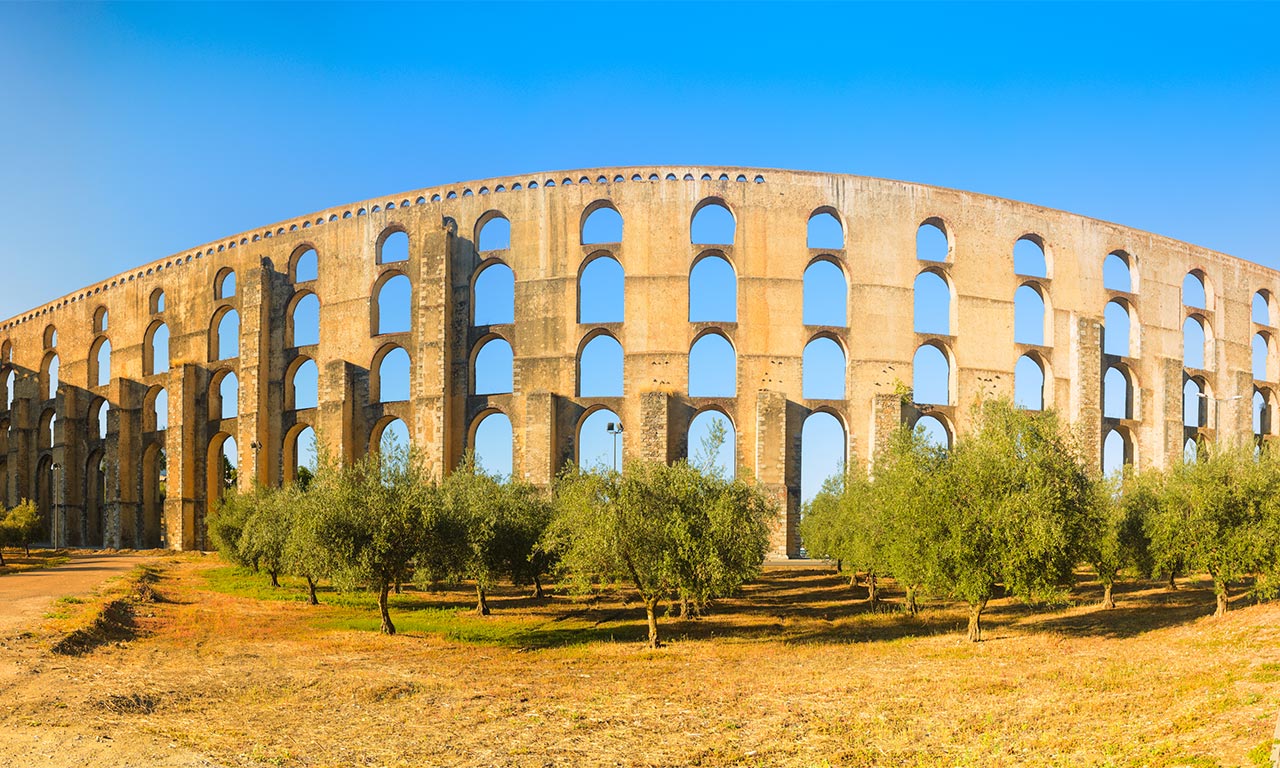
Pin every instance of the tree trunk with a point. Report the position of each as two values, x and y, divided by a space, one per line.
399 588
853 577
686 611
913 608
873 592
1220 592
1172 584
387 627
275 578
1 556
975 621
26 547
1107 602
311 592
651 612
482 605
538 594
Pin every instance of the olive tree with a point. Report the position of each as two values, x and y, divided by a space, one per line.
672 531
1120 542
22 525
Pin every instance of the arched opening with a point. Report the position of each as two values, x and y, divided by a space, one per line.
1028 257
601 297
392 437
1190 451
395 305
825 295
934 431
156 350
98 419
394 247
1262 413
1193 291
157 301
10 379
600 441
1262 368
494 233
1261 311
600 367
304 385
712 224
44 495
306 266
825 233
494 295
1028 316
493 444
155 475
1194 404
602 224
304 321
1115 272
223 466
493 370
713 369
225 285
226 402
712 444
931 241
713 291
1193 343
301 461
156 413
822 452
100 320
101 359
95 494
1117 395
1116 452
1028 384
226 335
1116 329
932 304
393 375
822 374
931 376
50 376
50 336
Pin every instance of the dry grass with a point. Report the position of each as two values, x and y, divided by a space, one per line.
16 560
795 672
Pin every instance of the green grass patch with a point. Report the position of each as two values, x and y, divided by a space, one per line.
433 613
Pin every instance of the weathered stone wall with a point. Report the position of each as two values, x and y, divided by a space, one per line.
769 255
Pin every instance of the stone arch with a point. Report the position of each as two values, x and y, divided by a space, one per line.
388 316
1264 357
97 426
709 227
826 293
1031 257
391 375
100 362
932 302
224 395
1031 315
1196 343
492 366
302 323
601 353
492 232
294 449
1197 291
592 440
938 428
50 336
1118 449
95 494
1262 310
100 318
155 410
601 273
713 289
699 427
224 284
386 429
222 467
392 245
824 450
47 437
155 349
304 264
823 368
933 240
1196 396
1118 325
1119 272
154 476
933 374
1029 383
156 303
1263 407
492 438
825 230
224 334
302 384
1119 392
719 354
601 224
493 293
50 370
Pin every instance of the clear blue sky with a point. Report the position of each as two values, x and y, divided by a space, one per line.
134 131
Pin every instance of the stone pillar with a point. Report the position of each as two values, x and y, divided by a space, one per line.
777 465
254 375
182 448
886 418
654 439
1086 388
540 458
437 427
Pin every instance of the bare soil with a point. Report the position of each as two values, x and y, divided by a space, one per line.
795 672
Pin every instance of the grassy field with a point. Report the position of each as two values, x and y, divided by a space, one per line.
16 560
794 672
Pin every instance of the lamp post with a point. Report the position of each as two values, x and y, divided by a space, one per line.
615 429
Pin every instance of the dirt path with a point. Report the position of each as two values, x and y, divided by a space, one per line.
26 596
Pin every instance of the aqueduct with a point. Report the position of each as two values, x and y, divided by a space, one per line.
151 372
